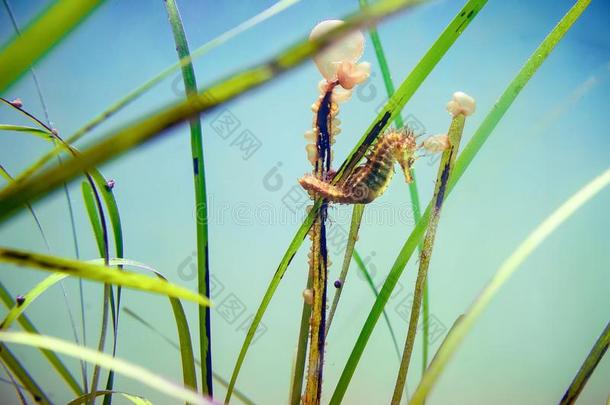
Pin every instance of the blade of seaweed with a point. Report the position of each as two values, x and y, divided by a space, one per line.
201 223
9 359
55 361
588 366
98 273
131 370
238 394
38 37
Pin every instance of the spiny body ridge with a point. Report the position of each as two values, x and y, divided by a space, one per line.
371 179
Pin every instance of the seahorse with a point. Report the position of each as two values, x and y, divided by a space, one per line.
369 180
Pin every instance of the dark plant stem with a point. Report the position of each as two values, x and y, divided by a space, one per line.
595 355
203 268
319 257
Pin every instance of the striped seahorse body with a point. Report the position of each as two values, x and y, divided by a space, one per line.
371 179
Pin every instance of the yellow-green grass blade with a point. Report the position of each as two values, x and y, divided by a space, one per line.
27 325
25 300
20 372
29 130
504 272
392 108
145 129
98 273
580 379
201 224
40 36
120 366
167 72
134 399
466 157
189 374
238 394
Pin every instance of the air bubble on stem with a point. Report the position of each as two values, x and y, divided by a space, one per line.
308 296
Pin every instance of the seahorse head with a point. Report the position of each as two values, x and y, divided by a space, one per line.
404 150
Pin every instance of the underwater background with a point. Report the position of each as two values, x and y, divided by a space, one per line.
527 345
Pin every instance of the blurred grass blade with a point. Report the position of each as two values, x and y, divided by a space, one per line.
143 88
30 130
98 273
392 108
189 374
134 399
27 325
123 367
11 362
38 37
238 394
201 223
118 142
508 267
27 299
462 163
595 355
11 380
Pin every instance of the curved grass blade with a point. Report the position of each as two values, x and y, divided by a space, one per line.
184 335
134 399
29 130
469 152
38 37
118 142
238 394
98 273
595 355
164 74
96 185
120 366
508 267
57 364
25 300
203 261
388 113
11 362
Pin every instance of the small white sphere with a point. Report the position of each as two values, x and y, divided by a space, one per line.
461 103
